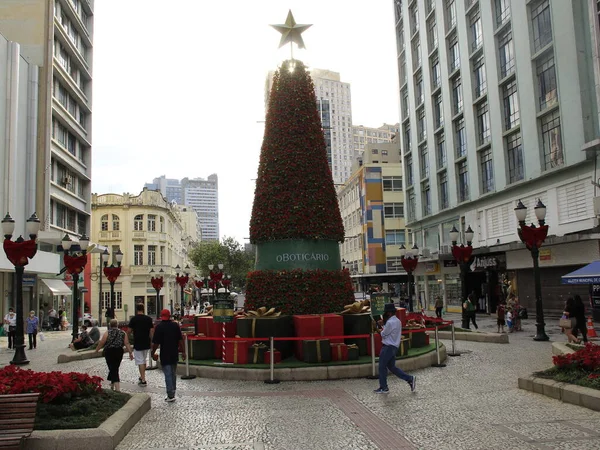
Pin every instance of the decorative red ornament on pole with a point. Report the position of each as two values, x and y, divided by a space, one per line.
112 273
199 284
182 281
409 263
462 253
157 283
20 252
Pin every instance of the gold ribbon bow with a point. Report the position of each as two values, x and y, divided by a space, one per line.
352 346
263 312
357 307
256 347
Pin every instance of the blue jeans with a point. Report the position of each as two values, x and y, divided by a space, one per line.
170 372
387 360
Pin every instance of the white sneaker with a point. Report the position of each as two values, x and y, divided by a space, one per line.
170 399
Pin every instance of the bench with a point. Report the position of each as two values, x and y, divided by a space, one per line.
17 416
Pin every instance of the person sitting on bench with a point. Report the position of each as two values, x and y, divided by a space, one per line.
83 341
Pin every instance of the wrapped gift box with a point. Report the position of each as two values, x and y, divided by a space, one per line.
206 326
401 314
339 352
417 339
358 324
266 327
313 325
276 355
403 349
426 338
201 349
318 351
353 352
236 352
378 345
256 353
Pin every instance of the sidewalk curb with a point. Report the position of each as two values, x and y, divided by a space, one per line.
565 392
493 338
106 437
78 356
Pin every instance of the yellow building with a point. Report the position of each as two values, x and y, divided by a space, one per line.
372 208
153 234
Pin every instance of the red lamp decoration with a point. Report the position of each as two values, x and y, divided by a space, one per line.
157 284
462 254
226 282
75 262
199 284
19 253
409 260
533 237
112 273
182 281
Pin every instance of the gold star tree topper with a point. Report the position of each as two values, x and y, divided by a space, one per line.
291 31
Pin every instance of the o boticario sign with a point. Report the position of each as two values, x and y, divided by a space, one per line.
303 254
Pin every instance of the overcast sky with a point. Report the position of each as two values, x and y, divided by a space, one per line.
179 86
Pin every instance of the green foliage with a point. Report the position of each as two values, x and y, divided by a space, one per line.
237 262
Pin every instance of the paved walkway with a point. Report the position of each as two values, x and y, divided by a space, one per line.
473 403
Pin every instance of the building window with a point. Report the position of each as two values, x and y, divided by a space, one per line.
403 75
71 220
407 146
429 6
395 237
421 125
413 16
440 149
507 54
511 105
151 255
460 137
450 14
419 94
374 151
443 186
416 56
392 184
432 35
426 198
483 124
438 111
162 224
81 223
404 104
400 37
487 170
479 77
463 181
476 31
138 255
162 255
453 54
412 205
436 73
138 222
104 222
515 158
546 78
106 299
384 152
551 140
424 161
116 222
409 171
541 24
393 210
457 97
502 11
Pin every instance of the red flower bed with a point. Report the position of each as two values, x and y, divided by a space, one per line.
586 359
52 386
299 291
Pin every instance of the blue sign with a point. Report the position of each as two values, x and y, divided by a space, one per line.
29 280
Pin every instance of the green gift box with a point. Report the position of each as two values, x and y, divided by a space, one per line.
259 327
201 349
358 324
417 339
256 353
353 352
318 351
403 349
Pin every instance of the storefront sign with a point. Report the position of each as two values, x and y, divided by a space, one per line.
431 268
481 263
546 254
298 254
29 280
450 263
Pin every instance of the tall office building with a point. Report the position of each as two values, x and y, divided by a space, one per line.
366 135
202 195
499 100
335 110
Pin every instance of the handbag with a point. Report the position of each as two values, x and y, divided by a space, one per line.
42 336
565 322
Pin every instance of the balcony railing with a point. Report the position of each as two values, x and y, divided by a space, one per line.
138 235
110 236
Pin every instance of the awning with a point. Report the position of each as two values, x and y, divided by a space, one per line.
57 287
589 274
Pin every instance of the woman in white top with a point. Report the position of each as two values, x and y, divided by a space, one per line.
10 326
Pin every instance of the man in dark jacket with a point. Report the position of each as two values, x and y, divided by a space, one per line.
168 337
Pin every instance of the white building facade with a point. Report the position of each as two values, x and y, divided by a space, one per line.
498 102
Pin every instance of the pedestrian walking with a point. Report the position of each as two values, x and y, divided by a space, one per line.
33 325
168 337
143 330
469 307
579 316
113 341
500 314
391 333
569 313
10 326
439 306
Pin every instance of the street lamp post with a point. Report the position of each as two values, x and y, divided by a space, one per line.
533 237
462 255
19 253
157 284
409 260
103 261
182 281
75 262
215 278
112 273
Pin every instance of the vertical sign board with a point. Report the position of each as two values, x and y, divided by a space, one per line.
378 301
223 311
595 301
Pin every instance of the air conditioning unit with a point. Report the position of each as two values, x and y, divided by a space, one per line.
445 249
425 252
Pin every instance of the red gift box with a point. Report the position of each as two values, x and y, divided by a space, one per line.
315 325
205 325
277 356
236 352
378 345
339 352
401 314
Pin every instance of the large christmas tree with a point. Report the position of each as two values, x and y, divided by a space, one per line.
296 223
